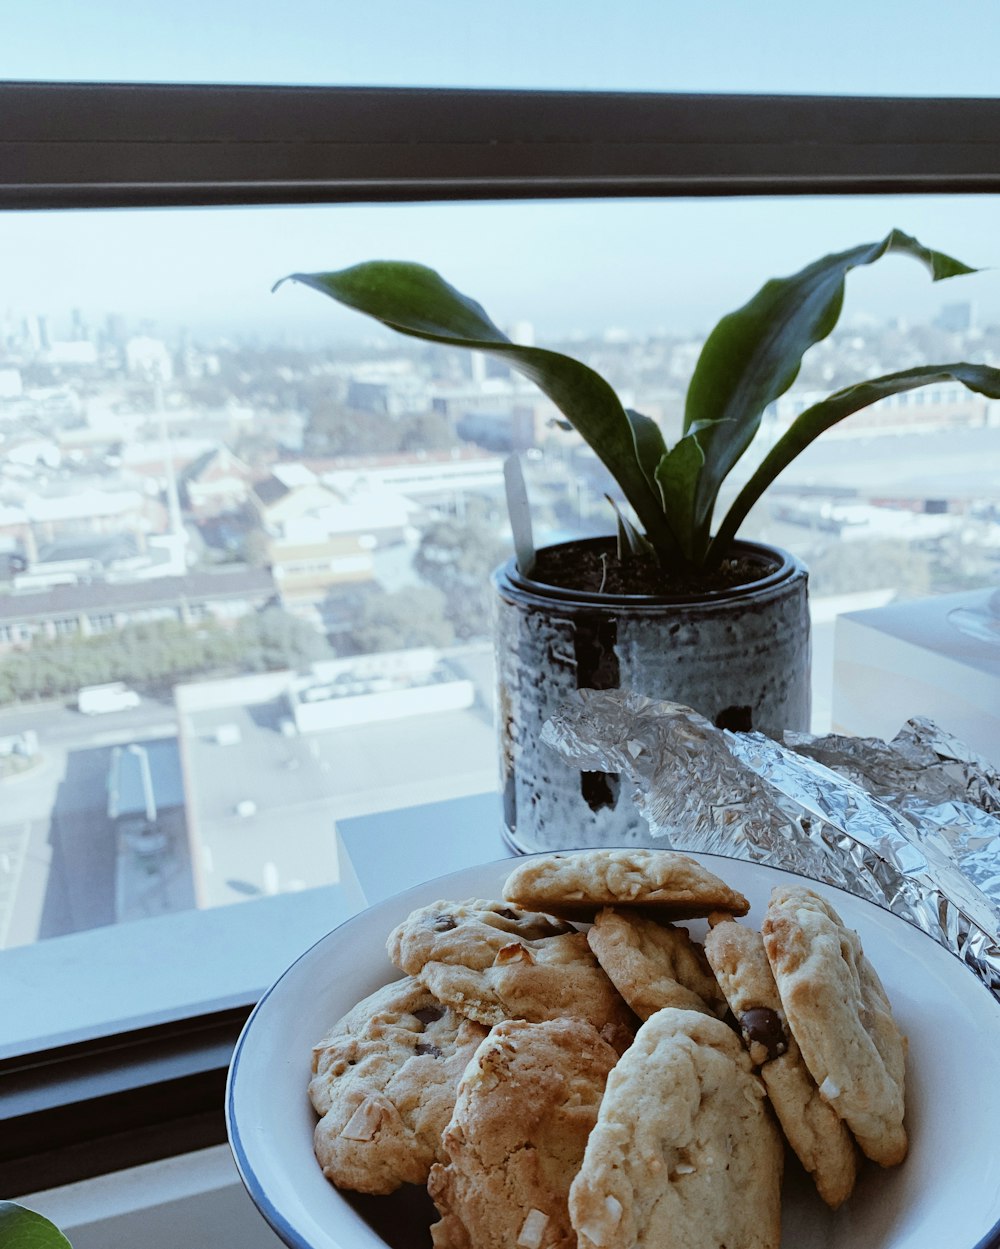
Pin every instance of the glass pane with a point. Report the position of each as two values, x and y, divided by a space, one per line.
232 615
850 48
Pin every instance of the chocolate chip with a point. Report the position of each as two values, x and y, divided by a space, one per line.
429 1014
443 923
762 1025
425 1047
506 913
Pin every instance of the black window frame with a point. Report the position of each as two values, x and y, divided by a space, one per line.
74 145
72 1112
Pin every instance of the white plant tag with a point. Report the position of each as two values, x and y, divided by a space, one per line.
520 514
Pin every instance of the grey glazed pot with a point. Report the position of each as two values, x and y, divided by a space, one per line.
740 657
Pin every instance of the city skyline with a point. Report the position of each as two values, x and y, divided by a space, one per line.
642 265
568 267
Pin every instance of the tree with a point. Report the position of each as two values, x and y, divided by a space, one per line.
457 557
335 429
160 652
400 620
256 548
428 432
875 564
275 639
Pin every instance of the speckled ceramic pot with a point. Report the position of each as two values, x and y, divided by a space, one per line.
739 656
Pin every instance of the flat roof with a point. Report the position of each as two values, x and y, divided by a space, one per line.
300 786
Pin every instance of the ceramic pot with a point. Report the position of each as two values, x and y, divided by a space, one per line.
739 656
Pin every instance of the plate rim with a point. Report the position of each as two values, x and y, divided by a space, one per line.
252 1184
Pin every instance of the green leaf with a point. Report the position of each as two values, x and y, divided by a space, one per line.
415 300
753 355
808 426
649 445
677 475
630 541
21 1228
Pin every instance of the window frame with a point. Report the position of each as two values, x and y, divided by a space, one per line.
104 145
66 145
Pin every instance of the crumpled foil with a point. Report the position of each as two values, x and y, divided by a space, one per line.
912 825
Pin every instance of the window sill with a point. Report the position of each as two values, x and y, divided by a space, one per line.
116 1049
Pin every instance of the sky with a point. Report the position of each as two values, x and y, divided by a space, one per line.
876 47
568 266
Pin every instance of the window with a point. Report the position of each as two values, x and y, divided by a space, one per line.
592 173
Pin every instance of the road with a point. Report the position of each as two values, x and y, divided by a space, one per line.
59 724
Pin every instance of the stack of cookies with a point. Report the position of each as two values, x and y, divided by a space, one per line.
568 1067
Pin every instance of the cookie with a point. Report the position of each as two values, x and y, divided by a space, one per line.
653 965
839 1015
525 1108
812 1128
471 933
578 884
685 1154
384 1083
551 978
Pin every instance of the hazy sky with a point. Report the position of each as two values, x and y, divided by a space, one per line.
876 47
639 265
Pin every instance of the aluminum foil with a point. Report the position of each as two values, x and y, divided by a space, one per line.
912 825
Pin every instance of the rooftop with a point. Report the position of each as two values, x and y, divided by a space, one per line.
62 600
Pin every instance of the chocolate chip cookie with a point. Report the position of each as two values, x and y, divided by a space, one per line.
577 884
525 1107
684 1154
550 978
470 933
384 1083
839 1014
813 1129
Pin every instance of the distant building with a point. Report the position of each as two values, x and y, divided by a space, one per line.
489 394
512 429
78 514
367 689
148 357
102 607
394 396
947 405
215 483
86 556
10 383
73 352
314 540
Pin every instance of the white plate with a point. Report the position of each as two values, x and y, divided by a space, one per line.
945 1196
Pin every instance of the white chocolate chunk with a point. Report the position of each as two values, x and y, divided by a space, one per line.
363 1124
532 1230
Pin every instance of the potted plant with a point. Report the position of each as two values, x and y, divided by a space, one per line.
672 605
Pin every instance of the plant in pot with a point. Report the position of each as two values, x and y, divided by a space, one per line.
672 605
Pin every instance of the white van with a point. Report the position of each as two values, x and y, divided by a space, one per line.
95 700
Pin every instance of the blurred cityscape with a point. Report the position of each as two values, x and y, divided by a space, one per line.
244 589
